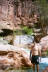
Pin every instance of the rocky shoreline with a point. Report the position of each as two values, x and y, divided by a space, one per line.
16 57
11 56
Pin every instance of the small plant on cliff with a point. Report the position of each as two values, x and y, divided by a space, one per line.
27 30
47 52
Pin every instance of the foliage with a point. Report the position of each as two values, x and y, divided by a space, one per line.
27 30
43 12
24 30
47 52
43 7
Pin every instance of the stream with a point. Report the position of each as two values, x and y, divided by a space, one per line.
42 65
24 40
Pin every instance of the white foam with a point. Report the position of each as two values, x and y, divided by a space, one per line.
44 60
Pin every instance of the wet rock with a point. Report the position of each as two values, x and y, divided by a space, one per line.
46 70
44 44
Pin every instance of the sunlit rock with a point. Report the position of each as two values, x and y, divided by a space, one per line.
44 42
11 56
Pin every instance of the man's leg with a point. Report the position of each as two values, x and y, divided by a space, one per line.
37 67
33 67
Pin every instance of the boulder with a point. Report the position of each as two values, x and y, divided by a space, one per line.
45 70
44 43
11 56
6 25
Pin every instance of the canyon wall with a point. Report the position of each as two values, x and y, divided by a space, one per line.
16 12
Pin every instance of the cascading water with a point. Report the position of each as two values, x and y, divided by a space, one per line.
23 39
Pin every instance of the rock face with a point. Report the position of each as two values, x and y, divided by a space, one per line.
44 42
16 12
11 56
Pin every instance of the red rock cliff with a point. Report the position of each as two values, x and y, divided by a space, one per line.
16 12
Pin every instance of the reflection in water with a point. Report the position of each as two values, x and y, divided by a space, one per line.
41 66
28 70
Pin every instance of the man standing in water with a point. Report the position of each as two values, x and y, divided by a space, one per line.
35 52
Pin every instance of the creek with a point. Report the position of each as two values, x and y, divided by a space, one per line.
24 40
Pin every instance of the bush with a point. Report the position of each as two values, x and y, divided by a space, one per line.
27 30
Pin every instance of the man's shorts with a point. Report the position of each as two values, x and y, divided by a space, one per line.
35 59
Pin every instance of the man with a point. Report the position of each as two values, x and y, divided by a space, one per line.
35 52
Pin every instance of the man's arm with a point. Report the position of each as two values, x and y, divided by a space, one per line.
40 54
30 54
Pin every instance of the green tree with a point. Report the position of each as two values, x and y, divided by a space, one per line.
43 9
